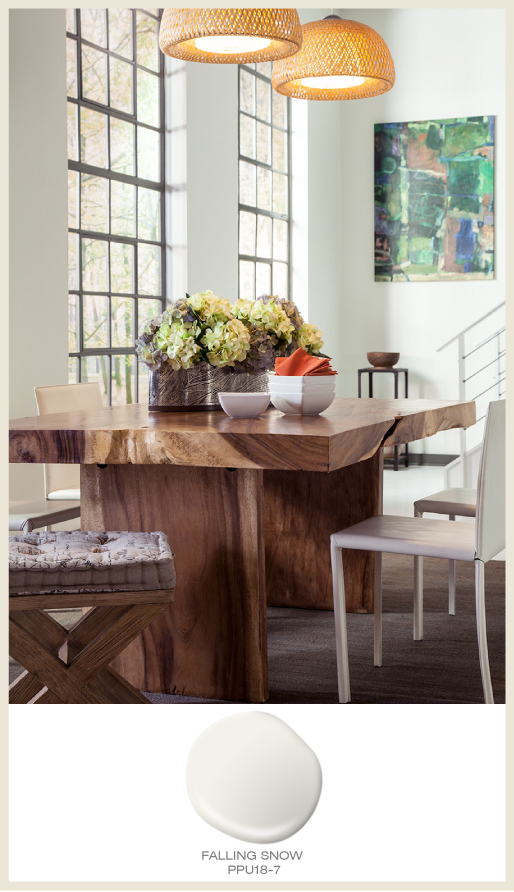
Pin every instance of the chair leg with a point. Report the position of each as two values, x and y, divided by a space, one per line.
418 593
451 588
378 610
482 632
343 669
451 582
418 598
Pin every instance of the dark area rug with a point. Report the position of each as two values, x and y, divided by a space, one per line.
443 668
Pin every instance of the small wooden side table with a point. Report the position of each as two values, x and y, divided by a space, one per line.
396 372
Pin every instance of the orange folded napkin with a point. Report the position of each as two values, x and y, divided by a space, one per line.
300 363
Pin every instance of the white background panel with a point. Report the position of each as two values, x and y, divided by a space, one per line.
410 793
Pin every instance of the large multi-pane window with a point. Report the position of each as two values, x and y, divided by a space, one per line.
264 193
115 193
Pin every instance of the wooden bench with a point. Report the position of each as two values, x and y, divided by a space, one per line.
71 666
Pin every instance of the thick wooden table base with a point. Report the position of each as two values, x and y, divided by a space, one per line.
212 641
301 511
72 666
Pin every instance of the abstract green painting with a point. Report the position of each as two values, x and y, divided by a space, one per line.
434 200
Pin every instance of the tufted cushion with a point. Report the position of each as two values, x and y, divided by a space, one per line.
97 561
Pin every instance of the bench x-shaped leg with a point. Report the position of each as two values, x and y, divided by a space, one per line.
82 675
27 688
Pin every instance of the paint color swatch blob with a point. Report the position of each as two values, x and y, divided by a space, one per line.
251 776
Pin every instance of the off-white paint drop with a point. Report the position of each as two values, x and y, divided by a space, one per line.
251 776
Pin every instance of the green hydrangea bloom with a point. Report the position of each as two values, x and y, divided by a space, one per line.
310 337
268 315
179 341
226 343
247 336
210 308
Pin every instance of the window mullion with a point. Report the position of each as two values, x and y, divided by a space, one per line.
276 176
105 356
114 175
289 197
108 66
79 61
163 174
134 87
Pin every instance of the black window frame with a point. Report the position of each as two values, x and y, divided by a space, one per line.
105 172
255 258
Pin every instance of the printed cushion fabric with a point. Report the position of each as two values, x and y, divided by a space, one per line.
97 561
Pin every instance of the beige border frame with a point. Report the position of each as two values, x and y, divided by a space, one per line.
394 887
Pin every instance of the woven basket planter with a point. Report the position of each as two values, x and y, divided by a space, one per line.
197 388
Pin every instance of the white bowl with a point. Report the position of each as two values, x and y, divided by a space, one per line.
303 383
278 386
244 405
302 403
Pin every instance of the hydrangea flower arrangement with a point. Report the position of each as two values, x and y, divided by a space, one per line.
247 336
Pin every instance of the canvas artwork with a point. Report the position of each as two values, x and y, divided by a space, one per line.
434 200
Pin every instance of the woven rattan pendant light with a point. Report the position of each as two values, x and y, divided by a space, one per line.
230 35
339 59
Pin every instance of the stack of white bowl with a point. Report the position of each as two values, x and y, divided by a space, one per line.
302 394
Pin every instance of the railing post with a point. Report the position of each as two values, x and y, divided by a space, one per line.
462 398
498 348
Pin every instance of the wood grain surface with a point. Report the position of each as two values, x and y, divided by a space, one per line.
71 666
351 430
245 503
69 601
301 511
212 641
416 419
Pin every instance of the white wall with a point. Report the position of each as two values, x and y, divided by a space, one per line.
38 217
212 178
441 72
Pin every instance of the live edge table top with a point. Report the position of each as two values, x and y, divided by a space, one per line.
350 431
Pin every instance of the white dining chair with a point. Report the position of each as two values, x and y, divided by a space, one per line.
62 482
27 516
420 536
456 502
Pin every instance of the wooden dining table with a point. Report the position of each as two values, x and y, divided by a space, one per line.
248 506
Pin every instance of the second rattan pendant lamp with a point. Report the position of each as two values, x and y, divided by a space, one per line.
230 35
339 59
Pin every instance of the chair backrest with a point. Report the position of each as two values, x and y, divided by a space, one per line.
66 398
490 511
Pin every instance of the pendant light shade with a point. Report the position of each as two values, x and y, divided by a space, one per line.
230 35
339 59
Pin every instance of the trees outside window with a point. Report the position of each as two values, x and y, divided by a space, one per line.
264 185
116 274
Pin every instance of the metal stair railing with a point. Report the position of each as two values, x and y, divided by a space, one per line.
488 357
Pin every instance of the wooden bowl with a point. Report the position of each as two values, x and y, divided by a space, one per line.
383 360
